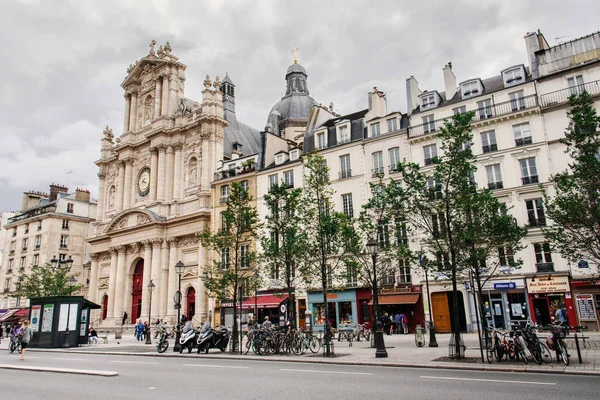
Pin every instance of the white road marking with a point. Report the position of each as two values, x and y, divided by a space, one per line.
487 380
214 366
152 388
133 362
326 372
72 359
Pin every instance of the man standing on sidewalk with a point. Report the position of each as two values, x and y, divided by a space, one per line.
124 318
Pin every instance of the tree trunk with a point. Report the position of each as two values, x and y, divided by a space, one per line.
234 331
326 322
455 319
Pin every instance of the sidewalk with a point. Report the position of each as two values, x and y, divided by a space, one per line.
401 349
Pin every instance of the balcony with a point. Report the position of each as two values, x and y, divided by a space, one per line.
345 173
394 168
430 161
569 54
37 247
223 199
562 96
228 173
377 172
537 222
489 148
528 180
6 290
63 246
545 267
289 185
11 253
523 141
9 271
24 250
481 114
496 185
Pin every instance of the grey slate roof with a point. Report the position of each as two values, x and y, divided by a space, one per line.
241 133
227 79
295 106
296 68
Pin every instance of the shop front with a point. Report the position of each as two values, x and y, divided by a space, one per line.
407 301
546 295
505 303
272 306
341 305
587 302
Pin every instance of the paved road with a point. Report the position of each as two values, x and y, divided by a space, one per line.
181 377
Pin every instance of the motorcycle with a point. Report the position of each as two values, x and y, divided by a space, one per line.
212 339
188 338
163 342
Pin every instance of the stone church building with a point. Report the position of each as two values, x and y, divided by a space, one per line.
154 190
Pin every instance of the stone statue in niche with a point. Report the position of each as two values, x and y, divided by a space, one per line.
111 197
148 108
192 173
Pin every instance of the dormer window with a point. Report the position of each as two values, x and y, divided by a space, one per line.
428 101
344 134
471 89
279 159
513 76
294 154
321 140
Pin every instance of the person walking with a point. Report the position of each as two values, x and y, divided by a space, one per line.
8 329
27 334
139 330
405 324
398 323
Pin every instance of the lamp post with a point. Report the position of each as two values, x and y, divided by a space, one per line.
151 287
56 263
432 340
72 282
380 352
179 269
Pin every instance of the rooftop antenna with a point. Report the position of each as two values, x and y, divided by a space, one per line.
557 39
68 176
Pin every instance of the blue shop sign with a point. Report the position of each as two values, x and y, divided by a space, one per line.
504 285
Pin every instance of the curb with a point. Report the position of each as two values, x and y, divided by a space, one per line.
60 370
316 360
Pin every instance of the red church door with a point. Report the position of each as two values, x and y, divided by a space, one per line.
104 307
136 291
191 303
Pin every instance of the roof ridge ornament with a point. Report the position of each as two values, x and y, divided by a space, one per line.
152 44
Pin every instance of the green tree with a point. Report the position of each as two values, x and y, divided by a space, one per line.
44 281
283 240
234 264
574 207
461 227
330 235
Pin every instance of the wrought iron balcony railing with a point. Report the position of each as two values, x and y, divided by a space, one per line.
562 96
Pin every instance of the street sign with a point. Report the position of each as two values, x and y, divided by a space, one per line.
504 285
583 264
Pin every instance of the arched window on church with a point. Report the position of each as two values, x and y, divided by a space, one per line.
192 172
112 195
148 108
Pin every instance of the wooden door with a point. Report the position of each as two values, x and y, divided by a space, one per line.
302 313
441 312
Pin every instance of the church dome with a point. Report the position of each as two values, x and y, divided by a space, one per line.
295 67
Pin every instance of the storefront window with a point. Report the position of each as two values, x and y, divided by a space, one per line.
345 308
319 314
517 306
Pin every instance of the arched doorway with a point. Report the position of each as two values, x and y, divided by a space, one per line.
104 307
136 291
191 303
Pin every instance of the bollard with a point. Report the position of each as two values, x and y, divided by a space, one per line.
578 349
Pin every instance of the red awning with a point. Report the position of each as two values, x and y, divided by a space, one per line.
267 301
15 315
398 298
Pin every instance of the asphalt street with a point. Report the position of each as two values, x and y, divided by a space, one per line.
181 377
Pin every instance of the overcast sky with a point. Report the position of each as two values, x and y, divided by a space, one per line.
62 62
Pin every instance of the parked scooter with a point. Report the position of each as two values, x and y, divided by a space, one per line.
188 337
212 339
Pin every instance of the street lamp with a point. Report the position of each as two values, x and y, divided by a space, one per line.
72 282
432 340
380 352
179 269
56 263
151 287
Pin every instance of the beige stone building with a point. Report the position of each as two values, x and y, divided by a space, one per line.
155 190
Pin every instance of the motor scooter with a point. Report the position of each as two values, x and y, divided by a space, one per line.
188 338
214 339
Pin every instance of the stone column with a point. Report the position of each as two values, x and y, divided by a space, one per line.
120 283
161 290
126 116
173 87
206 159
112 281
127 190
133 188
94 273
157 98
165 95
147 273
153 172
101 195
133 112
162 169
177 171
155 275
121 185
170 172
173 259
201 295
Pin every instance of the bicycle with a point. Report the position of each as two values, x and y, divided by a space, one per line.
15 345
556 342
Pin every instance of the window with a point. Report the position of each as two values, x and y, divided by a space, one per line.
26 228
7 284
62 257
244 185
428 124
65 224
543 257
39 225
494 177
438 224
13 246
394 155
459 110
430 153
223 221
513 76
25 241
375 129
435 189
428 101
273 181
575 85
401 233
388 275
63 241
392 124
383 234
321 140
517 102
345 170
535 212
404 271
38 242
224 194
488 141
528 171
70 208
522 134
347 206
279 159
294 155
378 168
244 256
484 109
22 263
36 259
14 232
10 264
344 134
470 89
506 256
288 178
225 258
351 275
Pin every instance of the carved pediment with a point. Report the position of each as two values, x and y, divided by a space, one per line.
131 219
189 275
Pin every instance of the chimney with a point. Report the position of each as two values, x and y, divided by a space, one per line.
55 190
32 199
82 195
534 41
377 103
412 94
449 81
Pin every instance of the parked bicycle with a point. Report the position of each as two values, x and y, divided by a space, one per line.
556 342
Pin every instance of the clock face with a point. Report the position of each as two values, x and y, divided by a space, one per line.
144 182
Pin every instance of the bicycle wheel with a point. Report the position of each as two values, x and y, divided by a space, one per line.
564 355
546 353
521 352
314 344
12 347
490 351
536 352
248 345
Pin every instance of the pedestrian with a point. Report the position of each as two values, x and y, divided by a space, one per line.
8 329
146 330
93 336
124 318
398 323
401 327
387 323
405 324
183 319
561 315
15 333
267 324
139 329
26 338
